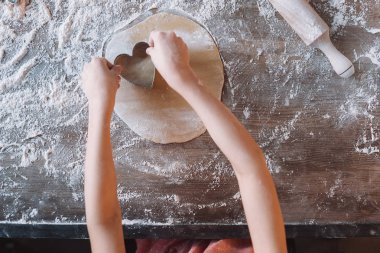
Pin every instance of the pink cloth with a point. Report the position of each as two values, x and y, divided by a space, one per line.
194 246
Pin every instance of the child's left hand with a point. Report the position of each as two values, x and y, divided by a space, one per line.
100 81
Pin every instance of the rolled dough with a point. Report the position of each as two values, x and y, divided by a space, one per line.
160 114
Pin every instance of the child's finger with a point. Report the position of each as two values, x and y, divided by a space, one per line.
152 38
149 51
102 62
109 65
116 69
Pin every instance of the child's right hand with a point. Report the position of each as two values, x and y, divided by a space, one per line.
171 58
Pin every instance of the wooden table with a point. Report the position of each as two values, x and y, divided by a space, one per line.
320 135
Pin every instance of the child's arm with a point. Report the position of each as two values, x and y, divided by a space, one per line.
100 82
170 56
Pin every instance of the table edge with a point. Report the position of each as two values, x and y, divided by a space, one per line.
193 231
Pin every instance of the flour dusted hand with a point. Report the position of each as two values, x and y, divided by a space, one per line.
170 56
100 81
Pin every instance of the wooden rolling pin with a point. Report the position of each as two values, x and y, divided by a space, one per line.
313 31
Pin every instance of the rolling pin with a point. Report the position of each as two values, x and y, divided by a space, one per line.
313 31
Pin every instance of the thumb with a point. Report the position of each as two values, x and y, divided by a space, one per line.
149 51
117 69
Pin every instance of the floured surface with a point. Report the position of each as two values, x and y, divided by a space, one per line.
160 114
319 132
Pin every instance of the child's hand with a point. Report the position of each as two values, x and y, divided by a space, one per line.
100 81
170 56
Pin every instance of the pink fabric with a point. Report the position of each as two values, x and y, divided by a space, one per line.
194 246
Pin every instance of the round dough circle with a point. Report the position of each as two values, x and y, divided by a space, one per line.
160 114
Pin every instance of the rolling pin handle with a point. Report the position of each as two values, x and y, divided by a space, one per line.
340 63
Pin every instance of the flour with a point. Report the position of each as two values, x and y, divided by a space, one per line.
373 30
266 10
23 51
273 166
281 133
237 196
367 142
7 32
16 11
19 76
246 112
29 155
33 213
43 114
374 54
345 13
326 116
338 184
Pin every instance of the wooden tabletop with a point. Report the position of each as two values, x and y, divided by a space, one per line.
319 132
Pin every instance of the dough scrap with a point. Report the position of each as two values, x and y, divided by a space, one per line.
160 114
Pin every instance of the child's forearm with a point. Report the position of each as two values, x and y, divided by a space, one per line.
100 81
227 132
100 180
257 189
171 58
103 212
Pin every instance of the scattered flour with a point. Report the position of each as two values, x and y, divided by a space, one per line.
345 13
373 30
33 213
368 142
19 76
29 155
246 112
374 54
280 133
338 184
44 45
266 10
273 166
237 196
326 116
